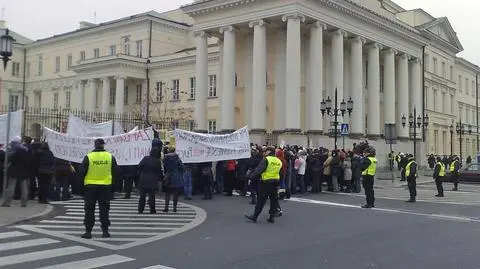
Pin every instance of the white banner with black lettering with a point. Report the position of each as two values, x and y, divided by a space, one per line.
16 120
128 149
196 148
78 127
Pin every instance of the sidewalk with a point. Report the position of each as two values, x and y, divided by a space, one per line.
383 179
15 213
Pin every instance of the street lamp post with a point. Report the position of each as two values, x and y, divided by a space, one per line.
6 48
460 128
326 109
451 139
415 122
6 51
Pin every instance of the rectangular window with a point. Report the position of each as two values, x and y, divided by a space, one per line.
25 100
451 72
55 100
444 103
212 86
125 95
39 64
191 125
14 102
434 100
82 56
15 69
126 45
28 69
139 48
212 126
112 96
57 64
138 95
473 88
159 92
193 84
444 70
113 50
68 99
382 73
435 66
96 53
427 62
466 86
460 83
69 60
176 89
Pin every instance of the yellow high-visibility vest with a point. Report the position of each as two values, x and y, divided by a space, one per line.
372 168
273 168
99 168
452 166
442 169
407 169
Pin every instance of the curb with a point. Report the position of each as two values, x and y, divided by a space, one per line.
49 211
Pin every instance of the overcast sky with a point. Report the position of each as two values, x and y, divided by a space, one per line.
42 18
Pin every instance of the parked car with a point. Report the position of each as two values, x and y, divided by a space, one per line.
469 173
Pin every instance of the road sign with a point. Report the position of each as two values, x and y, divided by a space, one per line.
390 133
344 129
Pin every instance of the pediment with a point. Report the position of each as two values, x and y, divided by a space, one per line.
442 29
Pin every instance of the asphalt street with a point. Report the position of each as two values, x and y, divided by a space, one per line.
317 231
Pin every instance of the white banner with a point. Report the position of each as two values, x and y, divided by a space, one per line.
128 149
78 127
16 120
196 148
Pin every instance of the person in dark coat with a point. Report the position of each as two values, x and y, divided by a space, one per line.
18 158
206 178
63 172
45 167
173 181
2 163
149 174
356 173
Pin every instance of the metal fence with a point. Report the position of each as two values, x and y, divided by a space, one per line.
57 119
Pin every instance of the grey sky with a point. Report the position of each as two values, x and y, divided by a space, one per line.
42 18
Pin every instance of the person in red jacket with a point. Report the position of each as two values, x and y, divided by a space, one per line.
229 177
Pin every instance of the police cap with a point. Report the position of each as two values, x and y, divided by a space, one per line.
99 142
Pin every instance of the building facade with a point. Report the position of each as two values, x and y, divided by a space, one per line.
266 64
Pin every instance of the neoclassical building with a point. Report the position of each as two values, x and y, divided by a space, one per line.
266 64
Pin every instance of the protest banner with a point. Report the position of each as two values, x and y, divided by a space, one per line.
16 120
78 127
128 149
196 148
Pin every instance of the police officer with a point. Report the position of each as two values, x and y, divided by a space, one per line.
454 167
368 166
438 175
98 170
269 169
411 176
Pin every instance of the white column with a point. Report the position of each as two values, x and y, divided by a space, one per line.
80 95
227 104
356 86
402 95
248 80
105 95
373 85
259 93
119 95
92 95
337 64
389 86
293 64
416 87
315 78
201 81
280 72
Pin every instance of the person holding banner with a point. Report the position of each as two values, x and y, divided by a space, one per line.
269 169
98 172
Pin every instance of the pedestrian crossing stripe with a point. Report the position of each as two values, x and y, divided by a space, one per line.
128 227
33 256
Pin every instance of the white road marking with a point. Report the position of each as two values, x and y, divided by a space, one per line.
177 220
76 222
386 210
158 267
41 255
91 263
115 210
133 215
115 227
27 243
12 234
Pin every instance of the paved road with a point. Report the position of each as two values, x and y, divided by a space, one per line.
317 231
